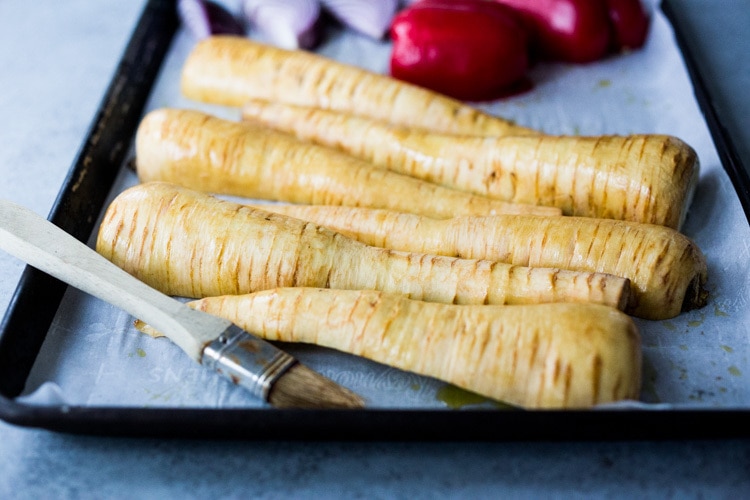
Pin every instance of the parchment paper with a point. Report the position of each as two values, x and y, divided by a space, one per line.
94 356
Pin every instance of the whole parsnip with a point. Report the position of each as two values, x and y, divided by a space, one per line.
643 178
666 269
231 70
534 356
190 244
207 153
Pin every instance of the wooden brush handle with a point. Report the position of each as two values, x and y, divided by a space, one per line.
38 242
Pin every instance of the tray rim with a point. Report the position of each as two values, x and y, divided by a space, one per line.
131 86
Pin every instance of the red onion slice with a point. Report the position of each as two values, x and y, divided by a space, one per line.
369 17
290 24
204 18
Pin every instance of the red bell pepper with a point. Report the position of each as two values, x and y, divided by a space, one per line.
468 49
629 23
566 30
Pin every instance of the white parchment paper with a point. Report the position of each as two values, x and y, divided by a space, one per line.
94 356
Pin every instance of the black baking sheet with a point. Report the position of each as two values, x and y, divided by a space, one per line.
26 324
714 42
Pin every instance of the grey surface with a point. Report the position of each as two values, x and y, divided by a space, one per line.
56 61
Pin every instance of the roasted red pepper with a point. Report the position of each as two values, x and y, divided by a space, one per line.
468 49
566 30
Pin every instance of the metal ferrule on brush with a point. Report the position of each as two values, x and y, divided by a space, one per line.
247 360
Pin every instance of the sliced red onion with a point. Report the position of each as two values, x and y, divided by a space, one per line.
290 24
204 18
369 17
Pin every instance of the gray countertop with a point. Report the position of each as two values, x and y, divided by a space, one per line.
56 62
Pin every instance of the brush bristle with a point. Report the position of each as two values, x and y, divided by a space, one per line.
301 387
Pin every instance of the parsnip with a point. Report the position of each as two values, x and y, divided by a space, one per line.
231 70
220 156
666 269
643 178
190 244
534 356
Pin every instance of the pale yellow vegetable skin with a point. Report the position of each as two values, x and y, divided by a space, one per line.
220 156
666 269
533 356
230 70
190 244
643 178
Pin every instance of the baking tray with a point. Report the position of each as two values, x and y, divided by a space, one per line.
77 208
705 36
